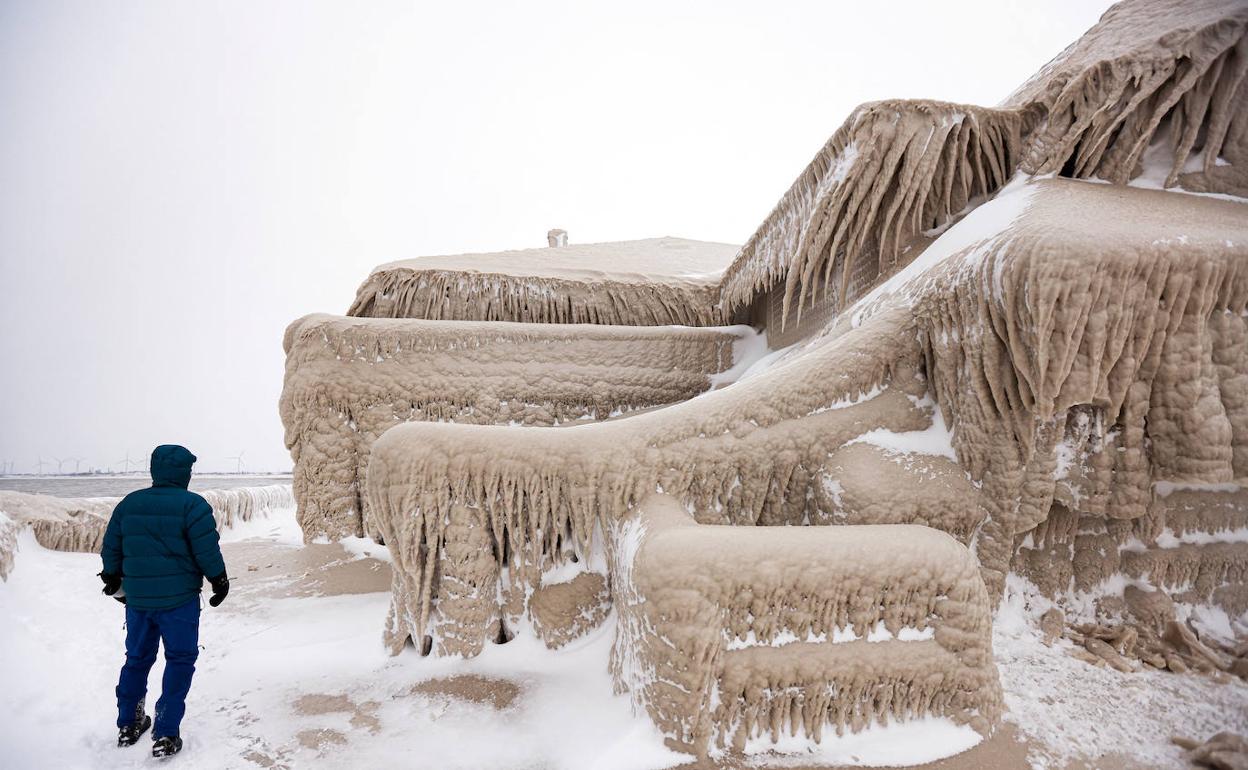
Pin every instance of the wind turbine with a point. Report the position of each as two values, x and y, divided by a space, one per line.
77 461
239 459
126 461
60 464
39 465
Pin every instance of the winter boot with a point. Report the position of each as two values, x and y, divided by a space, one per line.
130 734
166 746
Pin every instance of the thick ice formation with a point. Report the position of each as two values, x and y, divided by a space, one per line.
234 506
653 282
731 633
1158 70
892 171
8 544
1149 70
348 380
1006 344
1032 349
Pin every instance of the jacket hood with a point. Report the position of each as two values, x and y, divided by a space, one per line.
171 465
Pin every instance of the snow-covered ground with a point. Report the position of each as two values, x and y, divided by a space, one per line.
292 673
1070 710
266 658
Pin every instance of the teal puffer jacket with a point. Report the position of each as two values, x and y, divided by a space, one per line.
163 540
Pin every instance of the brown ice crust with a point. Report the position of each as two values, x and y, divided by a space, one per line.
894 169
534 491
1223 751
1145 632
1090 359
1147 67
471 556
1064 351
1108 360
235 506
348 380
727 633
1171 70
1035 343
499 694
565 611
864 484
653 282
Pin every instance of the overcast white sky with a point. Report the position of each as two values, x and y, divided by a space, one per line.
179 180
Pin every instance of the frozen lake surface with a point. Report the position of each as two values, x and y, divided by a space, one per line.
120 485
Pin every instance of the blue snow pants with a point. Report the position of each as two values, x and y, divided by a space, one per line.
178 628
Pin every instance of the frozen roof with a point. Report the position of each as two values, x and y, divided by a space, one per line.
674 261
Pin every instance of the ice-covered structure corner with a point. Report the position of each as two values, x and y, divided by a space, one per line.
996 332
727 634
1157 88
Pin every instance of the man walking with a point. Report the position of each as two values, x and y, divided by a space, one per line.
159 546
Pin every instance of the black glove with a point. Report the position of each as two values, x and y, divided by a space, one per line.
220 587
111 583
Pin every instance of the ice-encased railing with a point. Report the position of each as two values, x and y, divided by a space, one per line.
348 380
725 634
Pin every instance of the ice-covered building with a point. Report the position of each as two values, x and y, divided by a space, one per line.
977 344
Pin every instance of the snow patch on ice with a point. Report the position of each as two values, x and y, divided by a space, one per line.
844 162
936 439
628 540
366 548
749 348
1166 488
279 526
878 633
1213 621
768 361
1167 539
563 573
1065 459
978 227
848 401
833 488
1157 162
912 742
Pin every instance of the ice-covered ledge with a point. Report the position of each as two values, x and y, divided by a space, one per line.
685 592
348 380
